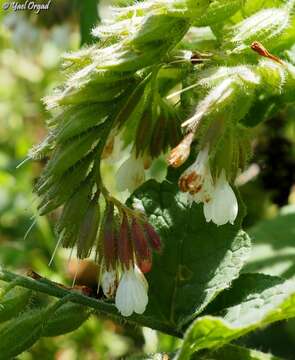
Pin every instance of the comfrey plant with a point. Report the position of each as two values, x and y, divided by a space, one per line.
147 82
188 80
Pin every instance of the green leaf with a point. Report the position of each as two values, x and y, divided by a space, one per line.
88 19
158 28
273 251
261 110
19 334
67 318
219 11
251 6
198 260
233 352
13 303
254 300
263 26
227 352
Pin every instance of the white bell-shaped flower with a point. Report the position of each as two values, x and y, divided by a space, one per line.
130 174
132 291
109 283
197 179
223 206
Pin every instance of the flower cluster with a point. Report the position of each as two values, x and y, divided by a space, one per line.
125 254
124 84
220 202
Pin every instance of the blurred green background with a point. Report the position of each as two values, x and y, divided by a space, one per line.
30 51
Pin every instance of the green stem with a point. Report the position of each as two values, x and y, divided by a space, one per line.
108 309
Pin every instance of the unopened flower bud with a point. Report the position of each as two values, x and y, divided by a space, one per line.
145 265
153 237
139 241
261 50
110 239
125 251
181 152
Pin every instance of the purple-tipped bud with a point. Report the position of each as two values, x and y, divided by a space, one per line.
110 239
145 265
153 237
140 242
125 250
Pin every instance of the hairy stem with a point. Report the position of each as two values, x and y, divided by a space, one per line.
107 309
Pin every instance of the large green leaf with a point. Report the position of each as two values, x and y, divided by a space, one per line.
273 245
233 352
254 300
198 260
227 352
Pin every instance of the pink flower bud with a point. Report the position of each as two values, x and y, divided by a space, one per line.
153 237
110 239
139 241
145 265
125 250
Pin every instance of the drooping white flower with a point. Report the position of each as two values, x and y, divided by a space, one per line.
109 283
197 179
131 174
220 202
223 206
132 291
